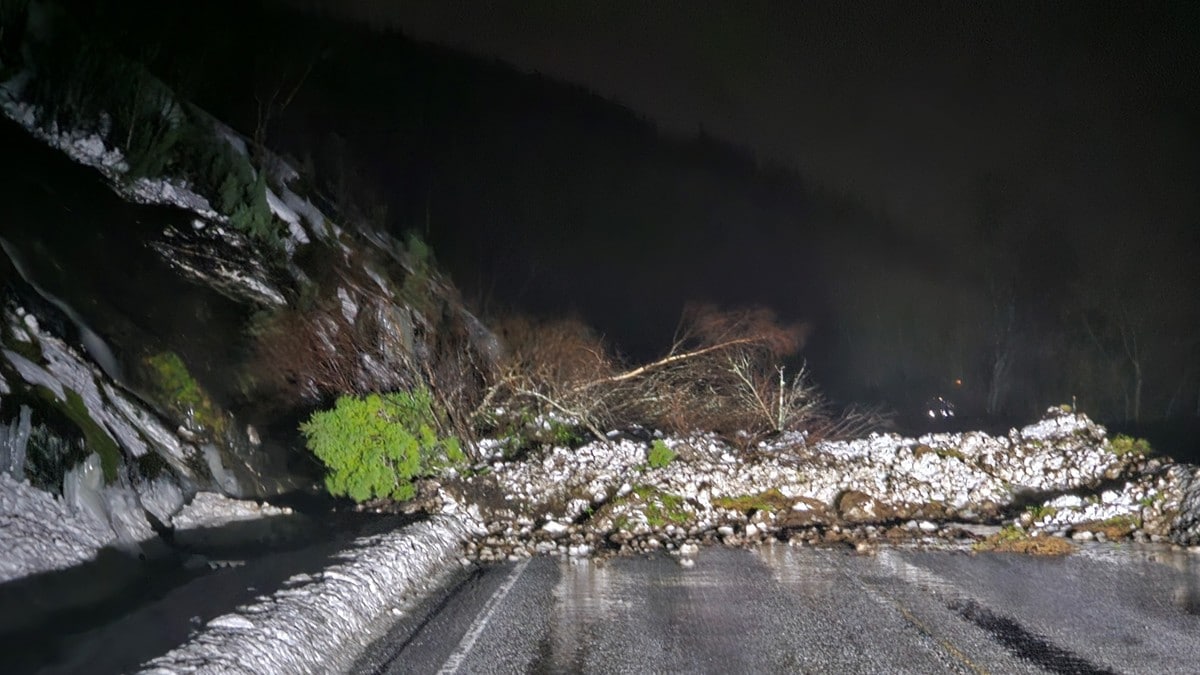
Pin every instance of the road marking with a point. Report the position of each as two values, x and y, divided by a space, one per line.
946 645
903 571
468 642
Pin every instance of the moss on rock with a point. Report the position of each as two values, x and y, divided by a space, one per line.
1015 540
770 500
175 389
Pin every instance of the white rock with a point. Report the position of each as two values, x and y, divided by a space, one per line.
232 621
554 528
1067 502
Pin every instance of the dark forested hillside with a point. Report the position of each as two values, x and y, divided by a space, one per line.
540 196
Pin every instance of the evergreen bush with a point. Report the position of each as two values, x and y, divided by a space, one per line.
80 82
376 445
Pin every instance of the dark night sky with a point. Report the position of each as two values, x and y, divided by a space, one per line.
1086 116
1023 178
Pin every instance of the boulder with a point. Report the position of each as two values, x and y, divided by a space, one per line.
859 507
1185 530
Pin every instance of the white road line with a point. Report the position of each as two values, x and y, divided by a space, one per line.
468 642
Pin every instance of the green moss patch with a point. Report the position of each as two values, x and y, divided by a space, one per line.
1124 445
94 435
660 508
175 388
771 500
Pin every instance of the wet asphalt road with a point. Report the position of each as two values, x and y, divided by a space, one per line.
801 610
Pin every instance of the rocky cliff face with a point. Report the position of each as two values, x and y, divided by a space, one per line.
149 350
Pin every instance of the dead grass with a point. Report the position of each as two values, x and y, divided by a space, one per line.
945 453
1114 528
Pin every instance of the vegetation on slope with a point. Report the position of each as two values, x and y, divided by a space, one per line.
376 446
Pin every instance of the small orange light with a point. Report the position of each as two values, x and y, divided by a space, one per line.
958 383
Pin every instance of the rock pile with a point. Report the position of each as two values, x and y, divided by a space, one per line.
1057 477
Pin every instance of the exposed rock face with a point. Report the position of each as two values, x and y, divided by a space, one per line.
1185 527
149 399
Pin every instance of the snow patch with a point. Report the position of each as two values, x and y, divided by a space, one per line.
40 533
34 374
287 215
349 307
89 149
317 222
210 509
300 629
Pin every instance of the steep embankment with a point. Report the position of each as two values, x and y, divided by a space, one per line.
156 340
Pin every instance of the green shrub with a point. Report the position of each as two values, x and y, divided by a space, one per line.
252 215
81 83
1126 445
660 455
227 179
564 434
374 446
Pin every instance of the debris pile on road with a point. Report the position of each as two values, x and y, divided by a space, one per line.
1060 476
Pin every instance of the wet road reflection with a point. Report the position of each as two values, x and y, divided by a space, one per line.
784 609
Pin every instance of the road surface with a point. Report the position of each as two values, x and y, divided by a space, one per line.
803 610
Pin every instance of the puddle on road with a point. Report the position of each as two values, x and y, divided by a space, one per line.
1184 584
1172 575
